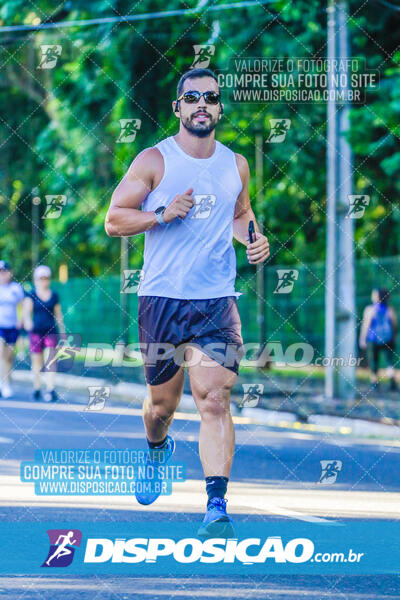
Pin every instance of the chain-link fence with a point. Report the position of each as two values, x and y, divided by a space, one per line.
92 306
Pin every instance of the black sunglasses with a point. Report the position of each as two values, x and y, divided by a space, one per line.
193 97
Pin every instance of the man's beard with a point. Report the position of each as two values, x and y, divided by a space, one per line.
200 130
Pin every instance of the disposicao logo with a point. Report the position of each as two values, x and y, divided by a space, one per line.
62 547
190 550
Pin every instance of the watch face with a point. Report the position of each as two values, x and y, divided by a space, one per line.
160 210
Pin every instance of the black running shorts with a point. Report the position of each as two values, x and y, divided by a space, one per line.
166 325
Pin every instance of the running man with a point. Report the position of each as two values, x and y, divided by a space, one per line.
11 296
44 320
62 543
187 294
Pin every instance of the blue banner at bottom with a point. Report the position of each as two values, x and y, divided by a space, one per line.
159 548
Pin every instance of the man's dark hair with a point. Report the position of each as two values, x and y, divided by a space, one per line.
192 74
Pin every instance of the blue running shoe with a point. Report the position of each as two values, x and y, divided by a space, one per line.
216 523
144 497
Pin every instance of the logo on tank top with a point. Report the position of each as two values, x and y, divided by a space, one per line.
203 204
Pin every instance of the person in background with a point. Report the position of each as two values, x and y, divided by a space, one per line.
378 335
44 321
11 296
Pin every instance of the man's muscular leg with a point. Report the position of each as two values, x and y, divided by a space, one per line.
160 406
211 388
158 413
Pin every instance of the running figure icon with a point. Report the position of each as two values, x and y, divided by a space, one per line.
62 549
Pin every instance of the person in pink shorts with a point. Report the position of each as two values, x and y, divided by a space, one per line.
44 321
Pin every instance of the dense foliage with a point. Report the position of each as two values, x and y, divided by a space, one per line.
59 127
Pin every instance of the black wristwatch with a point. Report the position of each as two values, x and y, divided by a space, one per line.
159 215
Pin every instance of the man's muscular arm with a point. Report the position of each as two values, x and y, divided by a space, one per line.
124 216
258 251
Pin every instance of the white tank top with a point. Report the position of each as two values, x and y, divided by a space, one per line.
193 258
10 295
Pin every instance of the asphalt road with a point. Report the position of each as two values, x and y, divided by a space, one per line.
275 475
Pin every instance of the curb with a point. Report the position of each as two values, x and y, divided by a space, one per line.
134 394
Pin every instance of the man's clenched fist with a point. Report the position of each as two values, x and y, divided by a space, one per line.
179 207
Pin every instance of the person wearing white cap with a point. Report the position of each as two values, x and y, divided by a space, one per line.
11 296
44 321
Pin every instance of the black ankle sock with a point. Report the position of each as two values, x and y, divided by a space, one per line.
216 487
157 445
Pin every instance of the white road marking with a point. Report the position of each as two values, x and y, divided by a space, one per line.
243 498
